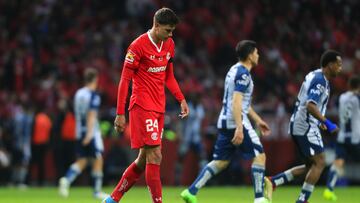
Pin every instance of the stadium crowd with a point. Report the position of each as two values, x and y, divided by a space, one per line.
45 45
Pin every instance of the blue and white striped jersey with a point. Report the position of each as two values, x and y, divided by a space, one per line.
85 101
237 79
316 89
349 117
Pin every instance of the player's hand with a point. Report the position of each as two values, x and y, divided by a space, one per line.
119 123
323 127
184 109
86 140
238 136
264 128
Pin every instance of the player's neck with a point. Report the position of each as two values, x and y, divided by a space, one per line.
91 87
326 73
153 36
247 65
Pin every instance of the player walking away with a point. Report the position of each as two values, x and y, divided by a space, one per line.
234 126
89 141
148 63
348 139
308 116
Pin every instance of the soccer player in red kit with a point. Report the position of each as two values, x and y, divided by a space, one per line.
148 63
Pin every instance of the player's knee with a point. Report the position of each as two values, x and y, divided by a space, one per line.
320 161
154 156
260 159
339 163
221 165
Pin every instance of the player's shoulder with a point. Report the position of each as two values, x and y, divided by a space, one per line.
81 91
170 41
139 41
241 70
317 76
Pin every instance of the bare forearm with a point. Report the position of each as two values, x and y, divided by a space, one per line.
237 109
90 122
254 116
314 111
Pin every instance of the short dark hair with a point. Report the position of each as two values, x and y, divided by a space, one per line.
89 75
328 56
354 82
244 48
166 16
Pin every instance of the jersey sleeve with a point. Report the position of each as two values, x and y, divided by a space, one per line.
242 81
133 56
131 63
170 82
316 89
94 101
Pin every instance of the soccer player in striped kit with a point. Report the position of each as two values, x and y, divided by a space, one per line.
235 131
89 141
307 118
348 140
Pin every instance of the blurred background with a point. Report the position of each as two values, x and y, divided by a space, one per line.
45 45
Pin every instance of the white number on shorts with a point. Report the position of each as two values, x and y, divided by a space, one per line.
150 125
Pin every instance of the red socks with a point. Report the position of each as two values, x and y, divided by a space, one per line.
152 177
128 179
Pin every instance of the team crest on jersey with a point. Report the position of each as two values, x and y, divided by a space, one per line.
130 57
154 136
168 56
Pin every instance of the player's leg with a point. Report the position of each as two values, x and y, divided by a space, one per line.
312 177
130 176
95 151
252 148
257 175
74 170
334 172
97 176
287 176
152 172
333 175
312 148
224 149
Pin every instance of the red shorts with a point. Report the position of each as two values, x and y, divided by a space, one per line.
146 127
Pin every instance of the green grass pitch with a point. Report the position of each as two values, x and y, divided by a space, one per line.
240 194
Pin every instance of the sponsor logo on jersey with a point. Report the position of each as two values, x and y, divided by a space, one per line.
244 80
152 57
130 57
319 89
156 69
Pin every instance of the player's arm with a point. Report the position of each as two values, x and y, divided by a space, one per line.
316 89
261 124
90 122
174 88
131 63
237 113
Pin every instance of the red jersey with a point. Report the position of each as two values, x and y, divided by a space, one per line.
149 65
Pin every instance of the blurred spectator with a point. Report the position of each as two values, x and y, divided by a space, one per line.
23 126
